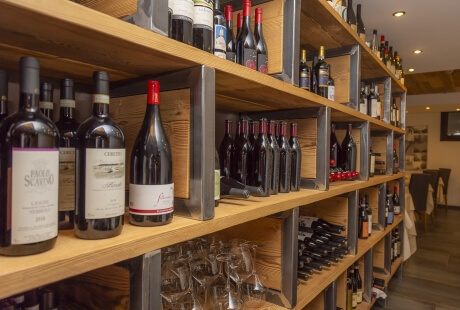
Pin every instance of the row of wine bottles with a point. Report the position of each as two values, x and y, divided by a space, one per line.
343 156
265 158
202 24
43 298
354 288
75 173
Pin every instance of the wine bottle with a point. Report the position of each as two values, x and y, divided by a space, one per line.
395 160
220 32
285 160
304 72
348 151
67 126
275 178
230 40
359 284
252 136
374 46
226 150
253 190
369 213
203 20
170 13
277 131
29 172
310 221
227 191
32 300
392 60
242 155
363 99
239 24
372 102
379 102
363 229
330 86
394 113
302 276
262 159
100 169
296 158
355 288
151 187
313 77
238 130
382 48
396 204
351 17
246 53
386 58
216 179
321 74
349 290
334 151
360 24
388 209
47 299
6 304
371 160
261 46
182 20
401 75
46 99
3 95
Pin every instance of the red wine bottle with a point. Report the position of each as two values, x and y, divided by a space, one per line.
396 203
46 100
238 130
296 158
348 151
239 24
242 155
230 41
262 159
203 23
246 53
216 180
334 147
29 172
67 126
359 284
253 190
228 191
151 187
285 160
261 46
226 151
3 95
220 32
100 169
274 187
182 20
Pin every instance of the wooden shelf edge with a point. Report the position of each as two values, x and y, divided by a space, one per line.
394 267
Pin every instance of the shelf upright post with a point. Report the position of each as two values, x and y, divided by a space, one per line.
402 150
352 229
368 275
330 296
151 15
387 254
381 210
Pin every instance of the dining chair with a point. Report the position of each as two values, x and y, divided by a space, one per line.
434 180
444 173
418 188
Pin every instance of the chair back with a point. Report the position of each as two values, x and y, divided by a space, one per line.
418 188
444 173
434 180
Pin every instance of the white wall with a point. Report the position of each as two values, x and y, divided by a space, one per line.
441 154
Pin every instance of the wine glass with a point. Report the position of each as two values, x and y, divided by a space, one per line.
255 294
205 270
241 267
225 298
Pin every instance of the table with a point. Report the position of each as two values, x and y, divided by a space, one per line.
429 200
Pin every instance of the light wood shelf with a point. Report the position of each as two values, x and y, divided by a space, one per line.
394 267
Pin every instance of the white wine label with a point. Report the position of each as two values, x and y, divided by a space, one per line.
374 107
363 106
34 194
379 108
182 9
359 296
370 223
323 77
66 179
203 16
45 105
99 98
331 92
217 184
105 183
67 103
151 199
220 39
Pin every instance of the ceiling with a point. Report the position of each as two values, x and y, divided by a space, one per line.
434 28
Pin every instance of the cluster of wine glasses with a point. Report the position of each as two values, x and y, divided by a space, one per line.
204 273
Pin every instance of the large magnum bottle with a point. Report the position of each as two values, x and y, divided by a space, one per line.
296 158
182 20
203 23
226 151
261 46
151 187
67 126
285 160
230 40
29 172
246 53
220 32
3 95
242 155
321 74
262 159
100 169
274 187
46 100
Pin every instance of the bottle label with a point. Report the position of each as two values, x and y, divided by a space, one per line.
217 184
45 105
182 9
397 210
390 217
323 77
66 179
365 229
250 58
105 183
203 16
231 56
151 199
304 81
379 108
331 92
34 194
220 39
369 217
373 107
363 106
100 98
359 296
262 63
372 167
67 103
354 300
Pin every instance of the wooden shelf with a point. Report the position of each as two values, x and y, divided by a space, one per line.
322 25
73 41
394 267
307 291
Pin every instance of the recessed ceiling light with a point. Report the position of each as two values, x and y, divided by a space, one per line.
417 51
411 70
427 108
399 13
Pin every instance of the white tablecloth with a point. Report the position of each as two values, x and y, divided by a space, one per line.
410 233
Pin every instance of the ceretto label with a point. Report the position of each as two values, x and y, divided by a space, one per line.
151 199
105 183
34 194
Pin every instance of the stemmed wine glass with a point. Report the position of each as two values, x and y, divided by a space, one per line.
254 294
227 299
241 267
205 270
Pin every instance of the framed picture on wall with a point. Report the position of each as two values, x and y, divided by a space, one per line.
450 126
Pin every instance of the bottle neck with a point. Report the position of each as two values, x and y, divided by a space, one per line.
100 109
66 113
293 131
3 106
349 128
262 127
29 102
228 128
282 130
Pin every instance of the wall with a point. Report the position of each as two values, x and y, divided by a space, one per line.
441 154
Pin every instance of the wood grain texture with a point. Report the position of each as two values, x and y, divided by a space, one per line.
438 82
379 255
342 291
379 145
115 8
340 71
317 303
129 113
